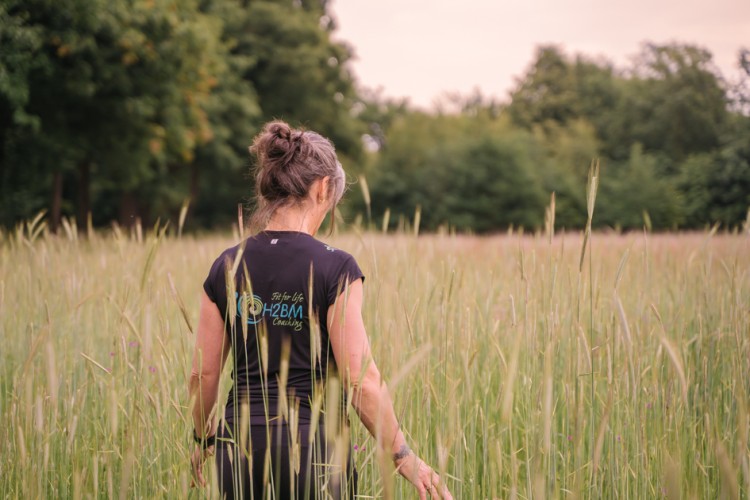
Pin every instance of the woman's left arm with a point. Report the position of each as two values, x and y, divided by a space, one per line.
211 350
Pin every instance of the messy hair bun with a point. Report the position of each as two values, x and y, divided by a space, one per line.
288 161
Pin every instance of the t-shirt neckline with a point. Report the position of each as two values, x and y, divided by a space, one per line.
276 232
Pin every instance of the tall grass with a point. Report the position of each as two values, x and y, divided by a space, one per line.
517 371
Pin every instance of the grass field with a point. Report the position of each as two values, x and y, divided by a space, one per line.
517 371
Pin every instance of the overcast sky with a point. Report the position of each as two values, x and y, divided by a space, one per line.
423 48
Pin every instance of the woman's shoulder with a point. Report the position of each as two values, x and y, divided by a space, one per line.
229 253
329 252
227 258
215 282
335 263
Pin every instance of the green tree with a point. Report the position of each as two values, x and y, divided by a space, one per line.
299 73
563 157
119 99
674 103
557 89
218 175
740 90
717 184
474 172
19 193
282 64
483 184
396 176
634 190
546 92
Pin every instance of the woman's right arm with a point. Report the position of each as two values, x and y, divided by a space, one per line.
371 399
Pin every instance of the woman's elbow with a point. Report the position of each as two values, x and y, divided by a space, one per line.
202 381
369 382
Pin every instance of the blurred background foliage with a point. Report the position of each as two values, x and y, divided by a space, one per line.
124 109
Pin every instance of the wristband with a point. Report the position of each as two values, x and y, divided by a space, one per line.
206 441
402 452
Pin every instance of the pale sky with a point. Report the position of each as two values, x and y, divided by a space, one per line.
421 49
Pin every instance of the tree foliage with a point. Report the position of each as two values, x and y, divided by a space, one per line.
468 172
125 108
717 185
675 103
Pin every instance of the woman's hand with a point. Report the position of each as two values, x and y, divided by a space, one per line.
424 479
197 459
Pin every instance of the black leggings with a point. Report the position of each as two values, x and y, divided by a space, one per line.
317 477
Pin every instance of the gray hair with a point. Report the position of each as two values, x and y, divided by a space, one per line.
288 162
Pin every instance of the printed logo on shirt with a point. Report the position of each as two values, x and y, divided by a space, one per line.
330 248
274 241
285 309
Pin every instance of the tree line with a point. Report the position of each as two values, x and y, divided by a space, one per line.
672 136
119 110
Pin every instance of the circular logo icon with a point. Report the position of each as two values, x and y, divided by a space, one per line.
254 308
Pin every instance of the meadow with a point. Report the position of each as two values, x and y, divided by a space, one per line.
520 369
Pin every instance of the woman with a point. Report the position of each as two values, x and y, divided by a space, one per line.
281 301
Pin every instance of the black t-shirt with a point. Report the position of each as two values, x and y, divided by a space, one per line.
277 300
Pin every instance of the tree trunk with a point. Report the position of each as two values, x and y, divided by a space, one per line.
128 209
195 179
56 208
84 194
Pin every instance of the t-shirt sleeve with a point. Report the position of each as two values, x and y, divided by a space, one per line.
215 284
347 273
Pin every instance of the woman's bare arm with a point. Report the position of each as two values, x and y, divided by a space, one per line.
351 348
371 399
211 349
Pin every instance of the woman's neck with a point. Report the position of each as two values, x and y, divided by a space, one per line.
300 219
